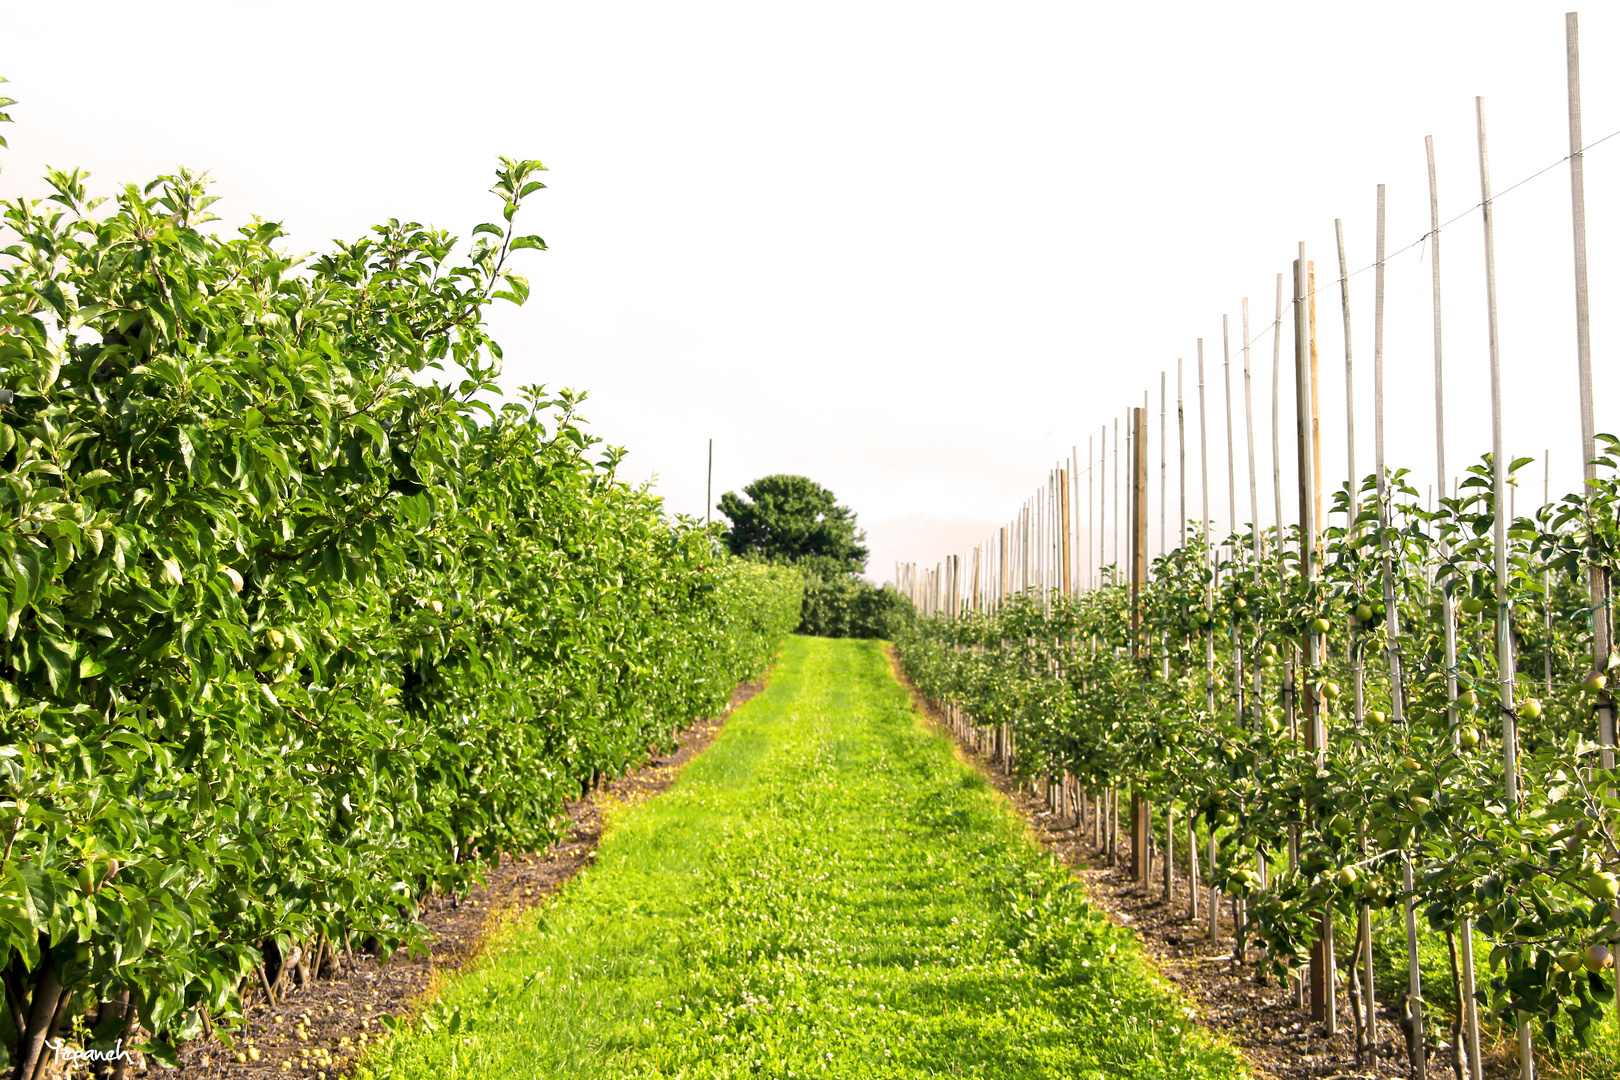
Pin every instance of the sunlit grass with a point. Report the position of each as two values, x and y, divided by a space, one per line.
826 892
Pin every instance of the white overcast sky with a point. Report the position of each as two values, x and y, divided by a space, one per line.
913 251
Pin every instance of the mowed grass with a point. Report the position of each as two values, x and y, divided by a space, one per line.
827 892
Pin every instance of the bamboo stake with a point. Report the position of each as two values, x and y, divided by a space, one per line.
1546 578
1276 397
1248 418
1181 448
1321 965
1393 631
1164 466
1141 811
1231 456
1448 605
1102 508
1209 608
1063 489
1597 580
1504 632
1164 638
1349 384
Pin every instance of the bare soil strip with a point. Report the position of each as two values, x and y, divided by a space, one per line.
343 1006
1276 1036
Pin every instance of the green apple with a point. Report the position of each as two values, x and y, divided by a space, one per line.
1240 604
1473 605
1598 958
1530 708
1413 765
1377 716
1605 885
1319 625
1420 804
1570 961
1468 737
1469 698
1594 683
1364 612
1347 876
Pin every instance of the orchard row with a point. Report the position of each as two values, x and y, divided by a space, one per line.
1316 727
297 628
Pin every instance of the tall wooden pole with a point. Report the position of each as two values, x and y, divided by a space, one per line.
1209 608
1102 507
1392 624
1231 454
1139 528
1349 383
1091 520
1181 449
1141 813
1063 496
1248 423
1276 398
1597 580
1320 978
1448 600
1164 466
1316 409
1504 631
1074 498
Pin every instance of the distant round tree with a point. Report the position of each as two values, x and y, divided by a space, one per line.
793 519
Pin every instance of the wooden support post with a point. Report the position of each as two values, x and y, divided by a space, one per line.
1349 383
1276 398
1139 527
1181 449
1308 426
1504 632
1598 579
1063 497
1139 531
1231 453
1448 612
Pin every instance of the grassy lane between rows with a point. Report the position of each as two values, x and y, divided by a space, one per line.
826 892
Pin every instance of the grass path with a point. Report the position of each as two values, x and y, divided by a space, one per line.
826 892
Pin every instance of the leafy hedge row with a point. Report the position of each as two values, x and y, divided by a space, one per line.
1206 710
295 627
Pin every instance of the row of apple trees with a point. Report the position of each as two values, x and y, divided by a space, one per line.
296 627
1089 695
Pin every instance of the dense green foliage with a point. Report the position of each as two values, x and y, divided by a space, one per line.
826 892
297 627
1536 876
843 605
793 519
